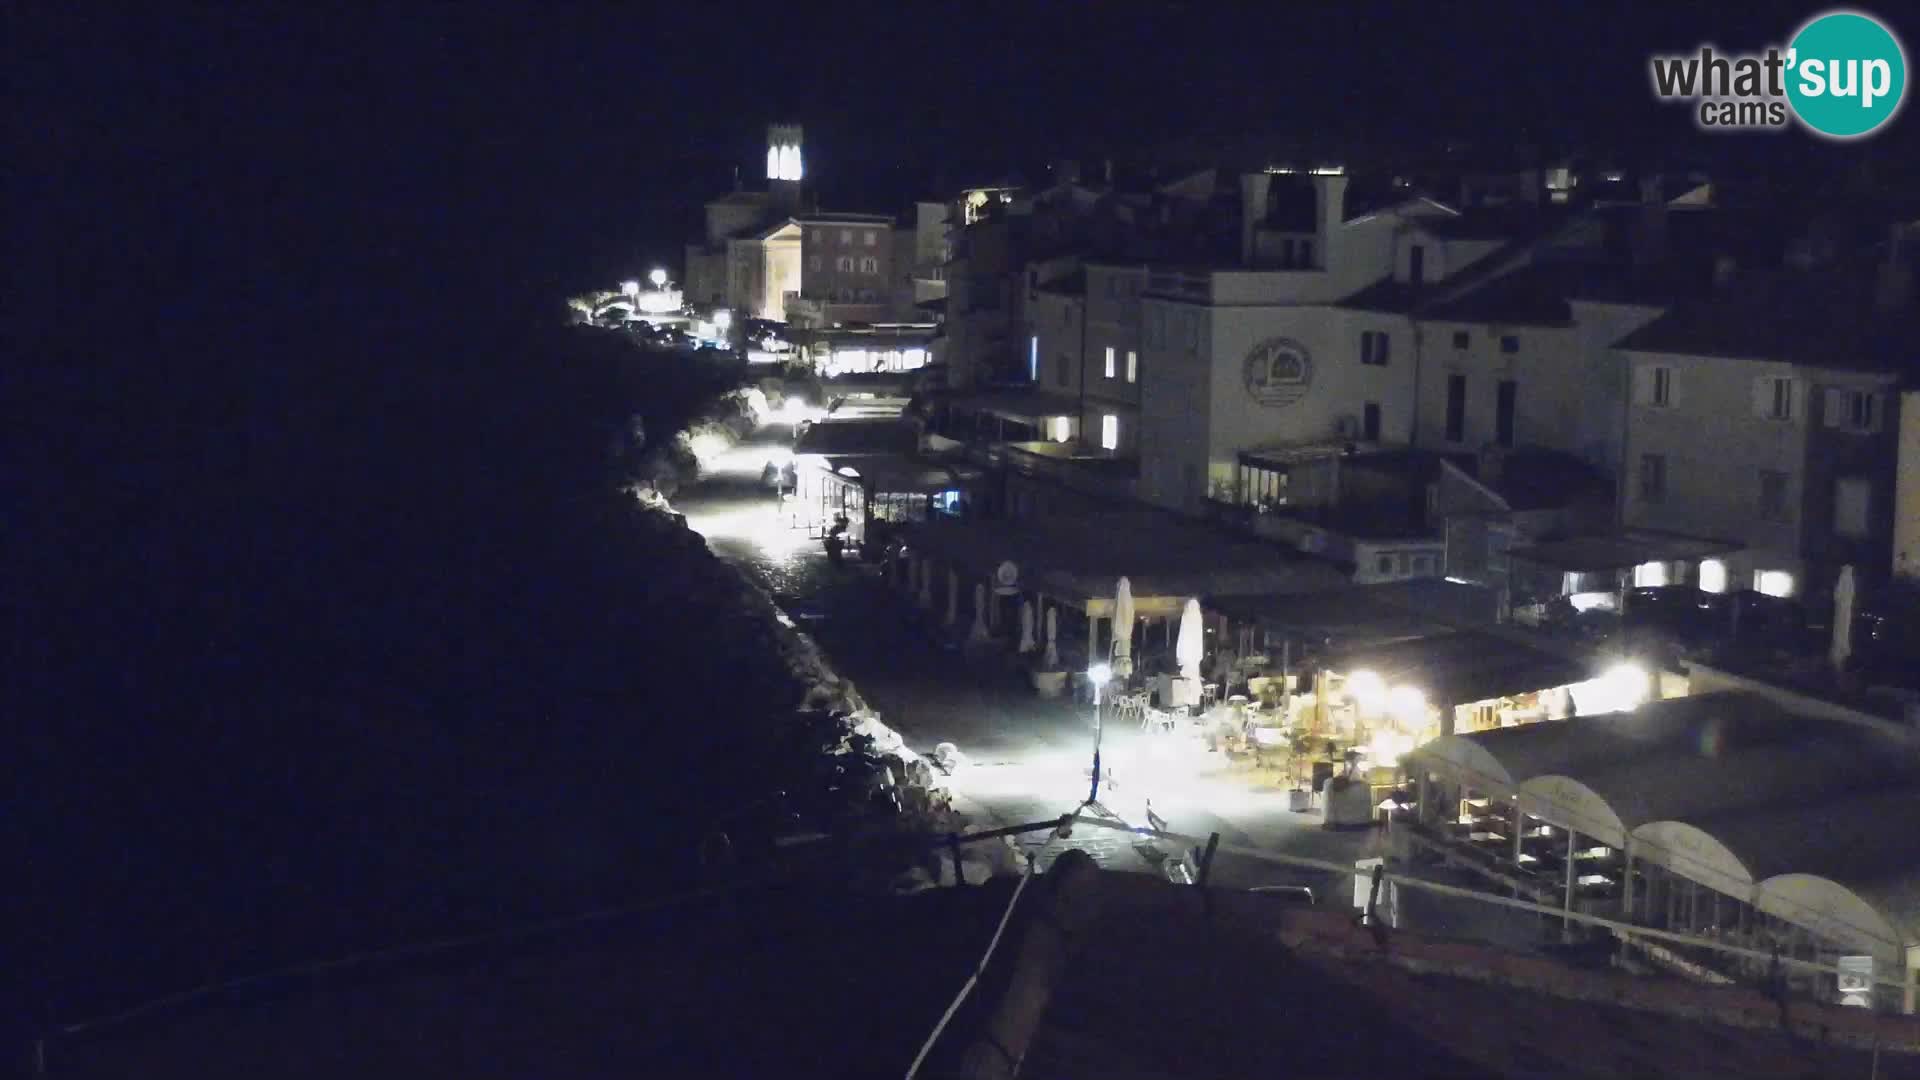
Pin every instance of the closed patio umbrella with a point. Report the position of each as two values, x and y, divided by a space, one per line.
1123 629
1026 627
1192 641
1050 660
1843 599
979 631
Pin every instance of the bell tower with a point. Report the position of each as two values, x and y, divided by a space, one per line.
785 169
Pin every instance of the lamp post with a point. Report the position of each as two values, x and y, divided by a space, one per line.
1098 675
658 277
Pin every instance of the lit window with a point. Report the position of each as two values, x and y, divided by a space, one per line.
846 236
1033 359
867 238
1650 575
1110 362
1062 429
1713 576
1773 583
1109 432
1133 366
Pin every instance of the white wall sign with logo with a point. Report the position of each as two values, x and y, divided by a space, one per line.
1006 579
1278 372
1856 981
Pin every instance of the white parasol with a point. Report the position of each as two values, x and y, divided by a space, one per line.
1026 627
1050 660
1123 629
979 631
1192 642
1843 598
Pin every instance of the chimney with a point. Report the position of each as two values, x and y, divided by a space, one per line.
1253 212
1650 233
1893 284
1330 203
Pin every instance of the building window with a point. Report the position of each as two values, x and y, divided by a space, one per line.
1505 401
844 264
1653 478
1773 495
867 238
1712 577
1033 359
1133 366
1370 421
1306 253
1066 315
1773 583
1110 362
1060 370
1384 566
1461 339
1109 432
869 265
1660 387
1456 408
1417 263
1062 429
1853 410
1374 345
1509 344
813 263
1851 496
1650 575
846 236
1773 397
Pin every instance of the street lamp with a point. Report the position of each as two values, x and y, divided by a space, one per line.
630 288
1098 675
658 277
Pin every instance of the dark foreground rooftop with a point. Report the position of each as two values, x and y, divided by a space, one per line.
811 981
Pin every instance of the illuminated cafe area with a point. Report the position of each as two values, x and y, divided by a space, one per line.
1724 817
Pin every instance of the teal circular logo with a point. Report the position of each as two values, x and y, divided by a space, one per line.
1846 74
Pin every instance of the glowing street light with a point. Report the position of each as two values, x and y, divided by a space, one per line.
630 288
1098 675
658 277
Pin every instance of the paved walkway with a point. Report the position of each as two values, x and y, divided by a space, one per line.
1029 759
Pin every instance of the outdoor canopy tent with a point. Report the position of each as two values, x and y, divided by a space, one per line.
1788 812
1463 666
1078 559
1845 866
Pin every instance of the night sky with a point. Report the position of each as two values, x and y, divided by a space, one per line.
262 260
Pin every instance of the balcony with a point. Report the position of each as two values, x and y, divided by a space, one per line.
1234 286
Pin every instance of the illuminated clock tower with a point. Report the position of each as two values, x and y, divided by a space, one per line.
785 169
